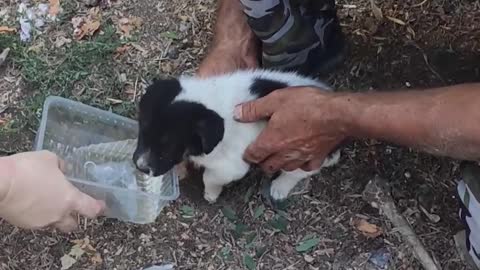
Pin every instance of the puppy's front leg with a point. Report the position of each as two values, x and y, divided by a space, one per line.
213 186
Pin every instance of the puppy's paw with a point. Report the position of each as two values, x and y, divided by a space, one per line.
211 198
331 159
278 191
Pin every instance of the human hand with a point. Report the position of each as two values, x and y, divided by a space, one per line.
36 194
305 125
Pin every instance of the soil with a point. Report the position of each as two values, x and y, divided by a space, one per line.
436 43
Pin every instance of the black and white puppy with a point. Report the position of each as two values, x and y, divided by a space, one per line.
192 118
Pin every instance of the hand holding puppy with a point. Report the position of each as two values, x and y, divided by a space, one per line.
304 127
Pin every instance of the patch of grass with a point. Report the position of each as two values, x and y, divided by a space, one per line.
86 65
57 73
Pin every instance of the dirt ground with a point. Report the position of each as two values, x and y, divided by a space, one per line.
418 44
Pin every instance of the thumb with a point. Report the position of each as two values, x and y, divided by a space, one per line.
255 110
88 206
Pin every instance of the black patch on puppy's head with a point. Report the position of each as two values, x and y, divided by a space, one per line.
170 130
262 87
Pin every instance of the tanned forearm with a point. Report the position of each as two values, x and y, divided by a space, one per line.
443 121
232 30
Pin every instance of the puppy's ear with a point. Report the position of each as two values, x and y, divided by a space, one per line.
209 130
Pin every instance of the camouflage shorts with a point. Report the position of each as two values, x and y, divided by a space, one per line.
300 35
469 195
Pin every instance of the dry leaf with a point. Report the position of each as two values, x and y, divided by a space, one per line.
96 259
366 228
76 252
61 40
123 49
6 29
77 22
86 26
139 48
67 262
37 47
89 28
54 8
128 25
377 12
94 13
397 21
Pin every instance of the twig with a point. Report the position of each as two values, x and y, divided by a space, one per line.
135 90
378 195
3 55
419 4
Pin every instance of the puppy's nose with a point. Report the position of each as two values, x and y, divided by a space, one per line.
142 164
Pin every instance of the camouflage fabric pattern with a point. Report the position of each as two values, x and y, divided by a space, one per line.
469 196
300 35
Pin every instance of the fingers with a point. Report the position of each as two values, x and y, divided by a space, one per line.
67 224
274 163
87 206
262 148
257 110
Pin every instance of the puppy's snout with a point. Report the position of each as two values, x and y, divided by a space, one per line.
141 161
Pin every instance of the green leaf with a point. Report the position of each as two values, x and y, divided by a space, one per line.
170 35
226 253
280 223
229 213
283 205
250 237
187 211
249 194
249 262
240 229
260 251
259 211
308 244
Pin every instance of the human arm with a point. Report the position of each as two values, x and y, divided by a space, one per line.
234 45
34 193
306 124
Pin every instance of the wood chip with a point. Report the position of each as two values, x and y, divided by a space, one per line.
54 8
395 20
366 228
377 12
6 29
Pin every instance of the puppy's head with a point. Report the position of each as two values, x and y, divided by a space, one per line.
171 130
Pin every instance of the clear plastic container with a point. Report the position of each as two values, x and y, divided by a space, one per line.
97 147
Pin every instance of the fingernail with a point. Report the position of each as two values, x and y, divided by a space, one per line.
237 113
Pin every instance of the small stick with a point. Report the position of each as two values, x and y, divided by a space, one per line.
3 55
378 195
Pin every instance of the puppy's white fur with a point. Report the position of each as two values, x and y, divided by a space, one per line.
221 94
